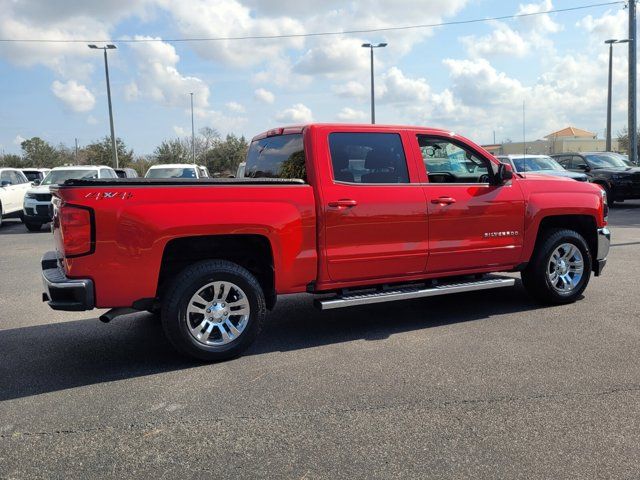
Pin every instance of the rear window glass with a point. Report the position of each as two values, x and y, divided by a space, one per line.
60 176
281 156
171 173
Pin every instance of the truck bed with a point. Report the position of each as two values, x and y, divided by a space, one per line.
140 182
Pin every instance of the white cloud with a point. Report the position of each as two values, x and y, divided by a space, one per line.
18 140
539 23
264 95
235 107
75 96
159 79
351 89
180 131
609 25
338 56
351 115
131 91
91 120
298 113
228 18
397 88
502 41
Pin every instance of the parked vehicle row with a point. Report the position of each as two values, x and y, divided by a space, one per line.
13 187
612 171
542 164
355 214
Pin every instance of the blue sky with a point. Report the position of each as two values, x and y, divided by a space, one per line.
469 78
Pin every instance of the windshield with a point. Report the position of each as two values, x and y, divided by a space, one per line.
59 176
604 160
533 164
32 175
171 173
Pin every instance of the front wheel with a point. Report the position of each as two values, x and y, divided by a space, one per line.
213 310
560 268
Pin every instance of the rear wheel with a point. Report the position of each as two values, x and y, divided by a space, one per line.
32 226
213 310
560 268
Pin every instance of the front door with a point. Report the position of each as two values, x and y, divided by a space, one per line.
375 221
472 222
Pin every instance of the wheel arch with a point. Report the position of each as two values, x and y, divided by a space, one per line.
251 251
585 225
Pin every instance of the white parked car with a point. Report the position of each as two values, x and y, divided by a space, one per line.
35 175
177 170
13 187
36 211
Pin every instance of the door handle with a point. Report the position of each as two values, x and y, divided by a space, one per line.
343 203
443 200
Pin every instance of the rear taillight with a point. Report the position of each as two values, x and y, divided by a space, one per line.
76 230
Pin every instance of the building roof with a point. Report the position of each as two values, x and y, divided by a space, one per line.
571 132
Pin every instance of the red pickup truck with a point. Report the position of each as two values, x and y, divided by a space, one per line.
353 214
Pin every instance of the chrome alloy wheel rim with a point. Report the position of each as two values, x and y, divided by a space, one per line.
218 313
565 268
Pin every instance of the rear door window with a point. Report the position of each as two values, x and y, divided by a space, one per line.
280 156
368 158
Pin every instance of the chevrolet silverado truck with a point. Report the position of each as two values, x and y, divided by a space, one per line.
352 214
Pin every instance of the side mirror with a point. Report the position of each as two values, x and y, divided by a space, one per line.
35 183
584 167
505 173
5 183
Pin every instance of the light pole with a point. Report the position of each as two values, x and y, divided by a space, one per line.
371 46
106 71
193 134
610 43
632 127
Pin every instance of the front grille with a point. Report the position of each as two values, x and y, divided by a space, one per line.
42 209
42 197
635 178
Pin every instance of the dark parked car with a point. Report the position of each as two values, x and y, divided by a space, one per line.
540 164
126 173
607 169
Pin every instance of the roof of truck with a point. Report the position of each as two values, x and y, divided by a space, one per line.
289 129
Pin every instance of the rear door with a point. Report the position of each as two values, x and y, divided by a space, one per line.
472 223
375 220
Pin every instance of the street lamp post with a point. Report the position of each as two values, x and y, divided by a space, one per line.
610 43
371 46
193 134
106 71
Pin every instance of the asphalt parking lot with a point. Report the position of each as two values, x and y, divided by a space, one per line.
481 385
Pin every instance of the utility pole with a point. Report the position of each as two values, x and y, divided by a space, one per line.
193 134
76 151
106 71
371 46
609 94
632 127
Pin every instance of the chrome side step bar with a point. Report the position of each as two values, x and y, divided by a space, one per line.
406 293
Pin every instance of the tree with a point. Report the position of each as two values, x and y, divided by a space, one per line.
173 151
100 153
11 160
39 153
623 140
225 155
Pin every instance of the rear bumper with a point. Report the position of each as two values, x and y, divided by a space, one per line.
604 241
62 293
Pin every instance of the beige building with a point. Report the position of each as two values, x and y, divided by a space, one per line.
570 139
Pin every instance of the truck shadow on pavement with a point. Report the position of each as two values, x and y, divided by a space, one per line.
53 357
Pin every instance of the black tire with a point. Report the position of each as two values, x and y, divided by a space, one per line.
33 227
535 278
191 280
